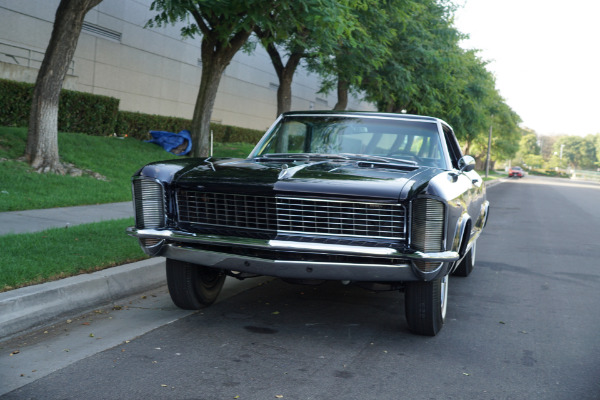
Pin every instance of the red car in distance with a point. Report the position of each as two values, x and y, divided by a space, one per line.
516 171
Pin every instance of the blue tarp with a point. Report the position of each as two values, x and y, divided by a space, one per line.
173 142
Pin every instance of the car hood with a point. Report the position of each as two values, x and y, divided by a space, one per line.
348 178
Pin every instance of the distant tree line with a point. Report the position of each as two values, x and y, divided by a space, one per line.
559 152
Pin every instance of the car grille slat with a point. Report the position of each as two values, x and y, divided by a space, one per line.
293 215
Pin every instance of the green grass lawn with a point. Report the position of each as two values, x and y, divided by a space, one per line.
116 159
32 258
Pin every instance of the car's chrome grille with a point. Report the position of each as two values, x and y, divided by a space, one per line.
292 215
340 218
227 210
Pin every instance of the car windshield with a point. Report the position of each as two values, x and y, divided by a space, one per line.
361 137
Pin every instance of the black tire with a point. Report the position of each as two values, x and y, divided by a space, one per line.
425 306
465 267
193 286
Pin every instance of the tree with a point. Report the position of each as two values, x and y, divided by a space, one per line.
597 144
225 27
579 152
529 145
310 28
420 53
42 138
356 56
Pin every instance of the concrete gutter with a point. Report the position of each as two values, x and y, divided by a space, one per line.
33 306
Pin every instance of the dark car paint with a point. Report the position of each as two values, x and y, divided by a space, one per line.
323 178
463 193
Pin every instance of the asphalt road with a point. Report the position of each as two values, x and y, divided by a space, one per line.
524 325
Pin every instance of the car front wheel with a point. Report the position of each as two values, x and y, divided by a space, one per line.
466 265
193 286
425 306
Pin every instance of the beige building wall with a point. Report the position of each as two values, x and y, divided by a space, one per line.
152 71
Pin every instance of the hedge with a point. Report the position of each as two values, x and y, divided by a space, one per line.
15 103
77 111
87 113
139 125
99 115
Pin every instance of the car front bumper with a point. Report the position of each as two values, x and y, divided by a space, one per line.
200 249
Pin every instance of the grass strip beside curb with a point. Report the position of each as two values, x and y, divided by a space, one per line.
32 258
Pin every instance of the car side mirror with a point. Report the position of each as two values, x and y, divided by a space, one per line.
466 164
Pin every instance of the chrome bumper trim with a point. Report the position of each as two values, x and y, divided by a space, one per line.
292 269
184 237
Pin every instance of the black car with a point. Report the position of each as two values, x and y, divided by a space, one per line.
384 201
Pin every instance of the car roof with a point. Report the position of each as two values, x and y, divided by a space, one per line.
366 113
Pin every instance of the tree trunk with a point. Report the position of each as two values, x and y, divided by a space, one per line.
42 138
215 58
285 74
284 92
342 92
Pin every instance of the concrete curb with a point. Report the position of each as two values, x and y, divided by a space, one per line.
32 306
493 183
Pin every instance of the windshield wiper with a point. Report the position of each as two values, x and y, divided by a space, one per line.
383 159
303 156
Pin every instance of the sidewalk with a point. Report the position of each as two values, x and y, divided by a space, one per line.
38 220
33 306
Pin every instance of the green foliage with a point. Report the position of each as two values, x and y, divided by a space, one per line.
308 29
528 145
578 152
534 160
64 252
138 125
78 112
15 102
116 159
225 27
349 58
87 113
234 134
597 144
427 72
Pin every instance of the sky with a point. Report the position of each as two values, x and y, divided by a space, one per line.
545 55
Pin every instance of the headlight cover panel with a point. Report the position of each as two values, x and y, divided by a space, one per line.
428 220
148 203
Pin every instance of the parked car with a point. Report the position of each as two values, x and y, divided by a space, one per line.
516 171
384 201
